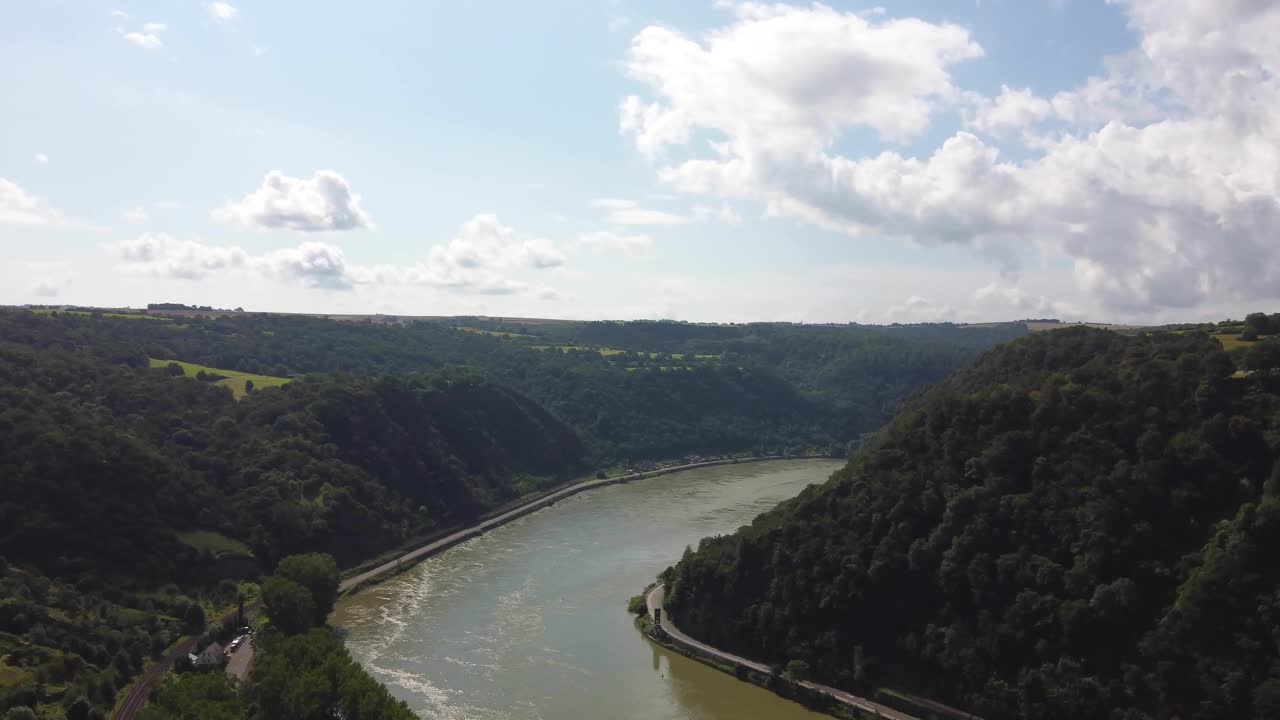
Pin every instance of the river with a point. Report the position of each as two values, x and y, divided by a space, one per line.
529 621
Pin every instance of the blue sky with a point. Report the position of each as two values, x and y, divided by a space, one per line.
918 161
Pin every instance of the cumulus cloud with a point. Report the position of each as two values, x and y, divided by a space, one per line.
478 258
322 202
222 12
312 264
18 207
627 212
161 254
1156 180
789 78
1012 109
485 257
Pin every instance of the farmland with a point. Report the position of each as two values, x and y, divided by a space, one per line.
230 378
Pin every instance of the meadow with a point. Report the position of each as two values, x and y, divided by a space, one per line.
231 378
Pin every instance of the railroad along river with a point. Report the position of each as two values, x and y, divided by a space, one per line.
529 621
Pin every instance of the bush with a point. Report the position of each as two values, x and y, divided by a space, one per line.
637 605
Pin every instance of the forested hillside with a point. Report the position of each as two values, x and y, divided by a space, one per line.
137 493
1082 525
632 391
127 490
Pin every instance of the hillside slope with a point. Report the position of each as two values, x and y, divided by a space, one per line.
1082 525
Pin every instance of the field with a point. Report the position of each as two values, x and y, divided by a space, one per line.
1232 341
478 331
232 378
215 544
129 316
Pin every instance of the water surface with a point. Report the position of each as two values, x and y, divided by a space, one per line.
529 621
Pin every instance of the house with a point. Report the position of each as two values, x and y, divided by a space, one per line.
210 657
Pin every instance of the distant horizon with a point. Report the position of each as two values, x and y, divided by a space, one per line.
205 308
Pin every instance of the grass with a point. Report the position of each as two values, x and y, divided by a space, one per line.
216 544
478 331
10 675
231 378
1231 341
129 316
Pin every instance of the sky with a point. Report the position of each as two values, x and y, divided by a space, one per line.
701 160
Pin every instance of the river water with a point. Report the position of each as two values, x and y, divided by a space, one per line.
529 621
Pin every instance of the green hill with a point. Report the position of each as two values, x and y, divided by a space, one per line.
1082 525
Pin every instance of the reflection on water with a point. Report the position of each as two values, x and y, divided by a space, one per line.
529 621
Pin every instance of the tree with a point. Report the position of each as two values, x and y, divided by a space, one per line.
1258 323
79 709
193 616
290 606
318 573
22 712
797 670
248 386
175 369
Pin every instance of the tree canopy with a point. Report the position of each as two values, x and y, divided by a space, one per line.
1080 525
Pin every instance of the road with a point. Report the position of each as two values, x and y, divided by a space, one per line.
241 660
138 694
654 601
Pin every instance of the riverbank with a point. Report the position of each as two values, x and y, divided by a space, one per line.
363 580
821 698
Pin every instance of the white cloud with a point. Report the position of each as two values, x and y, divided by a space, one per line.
1011 110
485 257
40 159
790 78
147 38
146 41
605 240
120 14
222 12
478 257
17 207
628 212
161 254
724 213
323 202
919 309
137 214
1156 181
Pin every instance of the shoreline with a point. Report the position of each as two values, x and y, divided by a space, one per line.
369 578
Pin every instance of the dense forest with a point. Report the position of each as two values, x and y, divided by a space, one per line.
632 391
139 499
1081 525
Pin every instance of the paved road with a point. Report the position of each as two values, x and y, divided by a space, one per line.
654 600
241 660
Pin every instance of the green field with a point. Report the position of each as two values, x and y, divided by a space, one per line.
478 331
232 378
1232 341
129 316
216 544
